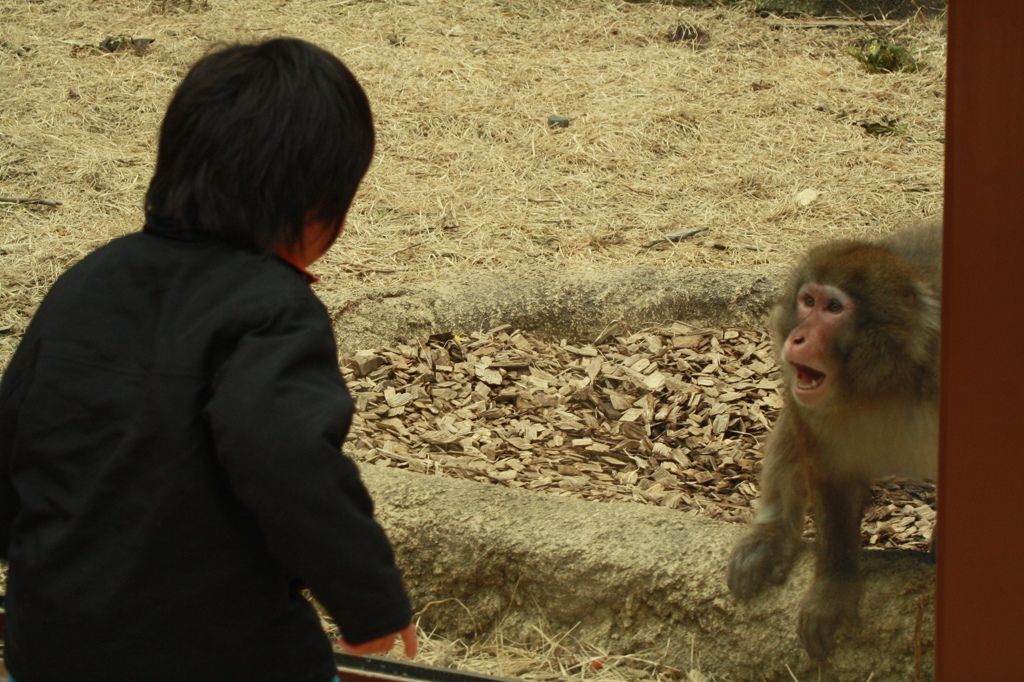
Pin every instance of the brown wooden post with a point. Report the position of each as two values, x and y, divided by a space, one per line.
981 476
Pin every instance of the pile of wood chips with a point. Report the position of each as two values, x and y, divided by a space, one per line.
670 416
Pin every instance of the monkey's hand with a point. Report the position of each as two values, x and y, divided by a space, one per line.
826 606
765 555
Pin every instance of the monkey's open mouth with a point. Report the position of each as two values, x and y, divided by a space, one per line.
808 379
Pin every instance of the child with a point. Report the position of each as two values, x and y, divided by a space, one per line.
171 423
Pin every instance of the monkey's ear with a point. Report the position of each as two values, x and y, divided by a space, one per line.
919 293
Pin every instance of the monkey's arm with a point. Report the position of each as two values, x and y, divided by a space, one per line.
835 593
766 553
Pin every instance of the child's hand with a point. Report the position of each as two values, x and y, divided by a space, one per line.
384 644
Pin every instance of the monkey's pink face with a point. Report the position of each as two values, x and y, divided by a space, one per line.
822 311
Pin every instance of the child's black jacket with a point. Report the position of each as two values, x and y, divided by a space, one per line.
170 468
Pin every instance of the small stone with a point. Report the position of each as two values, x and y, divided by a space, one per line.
556 121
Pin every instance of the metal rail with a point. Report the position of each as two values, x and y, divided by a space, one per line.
374 669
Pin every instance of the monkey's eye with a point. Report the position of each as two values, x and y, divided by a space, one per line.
809 301
834 306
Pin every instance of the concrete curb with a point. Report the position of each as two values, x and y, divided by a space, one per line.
630 578
553 304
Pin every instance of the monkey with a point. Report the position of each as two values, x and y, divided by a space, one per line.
856 332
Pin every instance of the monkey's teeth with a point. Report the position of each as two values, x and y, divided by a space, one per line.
808 379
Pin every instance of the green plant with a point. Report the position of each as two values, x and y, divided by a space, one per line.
882 56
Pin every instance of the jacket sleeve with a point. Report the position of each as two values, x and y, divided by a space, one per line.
12 393
279 412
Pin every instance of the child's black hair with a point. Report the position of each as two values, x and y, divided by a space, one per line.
258 136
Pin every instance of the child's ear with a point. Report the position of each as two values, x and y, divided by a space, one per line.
312 225
317 237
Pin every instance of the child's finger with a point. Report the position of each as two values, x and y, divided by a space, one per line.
408 635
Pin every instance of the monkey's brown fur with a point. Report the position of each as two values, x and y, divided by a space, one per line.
878 416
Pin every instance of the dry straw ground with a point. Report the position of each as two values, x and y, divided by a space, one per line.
469 178
754 136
